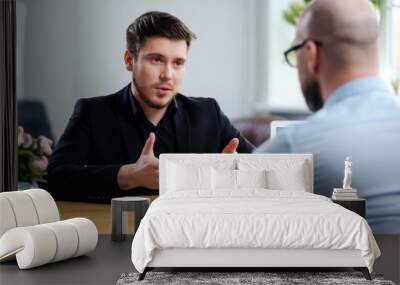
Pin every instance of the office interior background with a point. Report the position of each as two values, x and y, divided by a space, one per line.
66 50
74 49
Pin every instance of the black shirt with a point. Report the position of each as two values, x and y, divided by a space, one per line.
165 130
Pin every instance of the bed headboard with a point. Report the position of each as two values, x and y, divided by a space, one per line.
237 161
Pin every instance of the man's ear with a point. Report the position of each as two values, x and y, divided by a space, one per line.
129 60
313 57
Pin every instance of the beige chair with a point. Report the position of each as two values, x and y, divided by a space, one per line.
31 231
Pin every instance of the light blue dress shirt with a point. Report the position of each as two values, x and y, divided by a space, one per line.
361 119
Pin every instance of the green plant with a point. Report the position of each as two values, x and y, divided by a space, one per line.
294 11
396 85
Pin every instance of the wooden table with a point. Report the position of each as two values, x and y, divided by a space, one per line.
100 214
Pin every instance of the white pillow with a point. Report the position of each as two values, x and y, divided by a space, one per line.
291 176
223 179
181 177
282 174
251 178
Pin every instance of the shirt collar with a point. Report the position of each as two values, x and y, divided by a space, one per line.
357 87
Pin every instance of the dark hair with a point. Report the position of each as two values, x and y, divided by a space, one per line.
156 24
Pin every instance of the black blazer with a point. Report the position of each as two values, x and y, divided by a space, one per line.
101 136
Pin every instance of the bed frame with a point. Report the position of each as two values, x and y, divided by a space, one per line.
260 259
246 259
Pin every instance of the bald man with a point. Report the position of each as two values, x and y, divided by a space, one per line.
356 113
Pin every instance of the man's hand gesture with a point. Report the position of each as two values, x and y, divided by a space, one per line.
231 146
143 173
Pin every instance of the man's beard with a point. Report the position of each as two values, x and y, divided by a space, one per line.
146 99
312 94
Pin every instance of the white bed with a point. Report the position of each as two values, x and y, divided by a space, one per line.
202 220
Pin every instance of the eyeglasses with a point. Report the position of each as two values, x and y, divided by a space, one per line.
290 54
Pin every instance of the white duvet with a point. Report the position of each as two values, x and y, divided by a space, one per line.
250 218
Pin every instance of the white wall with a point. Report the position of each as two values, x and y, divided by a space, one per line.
48 57
280 90
73 49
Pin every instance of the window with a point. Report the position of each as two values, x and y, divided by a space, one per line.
390 41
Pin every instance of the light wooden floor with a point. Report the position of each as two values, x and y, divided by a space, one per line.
100 214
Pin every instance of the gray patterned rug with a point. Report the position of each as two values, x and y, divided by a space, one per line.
269 278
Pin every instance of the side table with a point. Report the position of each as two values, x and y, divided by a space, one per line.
356 205
119 208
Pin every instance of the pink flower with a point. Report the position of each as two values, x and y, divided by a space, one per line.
44 145
20 136
27 140
40 164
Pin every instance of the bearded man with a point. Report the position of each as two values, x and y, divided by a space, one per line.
356 113
111 144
